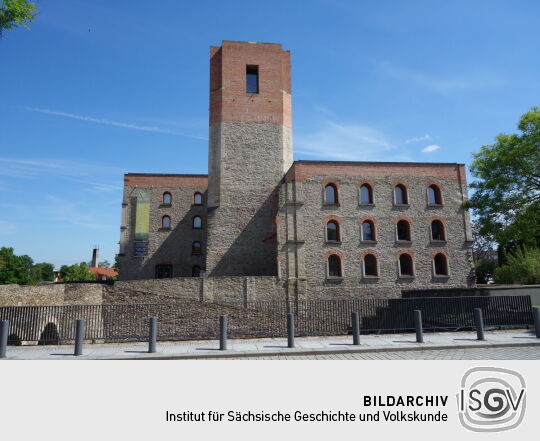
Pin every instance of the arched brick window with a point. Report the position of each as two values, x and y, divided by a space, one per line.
365 194
440 265
334 266
370 266
196 248
406 265
330 194
437 230
196 271
197 199
368 231
400 195
167 198
197 222
332 231
403 230
166 222
434 195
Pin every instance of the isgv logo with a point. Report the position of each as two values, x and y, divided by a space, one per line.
491 399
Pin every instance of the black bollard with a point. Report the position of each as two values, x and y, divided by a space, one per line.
479 323
4 331
536 316
290 330
418 326
222 332
79 337
152 337
355 317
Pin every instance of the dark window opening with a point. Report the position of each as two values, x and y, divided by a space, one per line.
441 267
196 271
437 230
252 79
330 194
196 248
403 230
334 266
332 231
166 222
370 265
405 265
434 195
163 271
366 194
400 193
368 230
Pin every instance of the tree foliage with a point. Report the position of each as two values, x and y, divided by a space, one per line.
76 273
506 195
15 13
522 267
13 268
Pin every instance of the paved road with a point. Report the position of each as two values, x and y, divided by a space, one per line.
509 353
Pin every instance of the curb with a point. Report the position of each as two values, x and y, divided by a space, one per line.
324 351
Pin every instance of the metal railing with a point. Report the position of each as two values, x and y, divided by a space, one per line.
188 320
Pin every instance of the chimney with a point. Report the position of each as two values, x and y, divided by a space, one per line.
95 257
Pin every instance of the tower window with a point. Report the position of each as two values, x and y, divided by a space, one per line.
406 265
330 194
196 271
403 230
332 231
400 195
366 194
166 222
164 271
252 79
440 265
197 222
197 199
167 198
368 231
196 248
370 266
437 230
334 266
434 195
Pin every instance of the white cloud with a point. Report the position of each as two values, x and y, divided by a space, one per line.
346 142
112 123
430 148
426 137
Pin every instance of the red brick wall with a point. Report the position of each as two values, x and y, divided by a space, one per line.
148 180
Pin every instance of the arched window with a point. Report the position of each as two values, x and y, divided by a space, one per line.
368 230
330 194
332 231
366 194
434 195
400 195
406 265
196 248
440 265
166 222
334 266
197 222
437 230
167 198
197 199
196 271
370 265
403 230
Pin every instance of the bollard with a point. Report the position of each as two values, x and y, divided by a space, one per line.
355 317
79 336
222 332
152 337
536 316
418 326
290 330
4 331
479 323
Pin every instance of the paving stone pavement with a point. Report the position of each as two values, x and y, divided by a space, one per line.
449 345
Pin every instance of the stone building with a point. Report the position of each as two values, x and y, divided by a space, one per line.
321 229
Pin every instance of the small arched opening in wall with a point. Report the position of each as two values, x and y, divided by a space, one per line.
14 340
49 335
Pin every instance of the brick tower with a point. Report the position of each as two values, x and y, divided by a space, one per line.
250 149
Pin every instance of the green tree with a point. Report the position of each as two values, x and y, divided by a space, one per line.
116 265
13 268
76 273
522 267
506 195
42 272
15 13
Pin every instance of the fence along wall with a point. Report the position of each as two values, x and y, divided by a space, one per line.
185 320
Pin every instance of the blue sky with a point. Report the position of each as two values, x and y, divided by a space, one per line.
98 88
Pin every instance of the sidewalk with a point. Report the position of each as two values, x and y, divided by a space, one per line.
276 346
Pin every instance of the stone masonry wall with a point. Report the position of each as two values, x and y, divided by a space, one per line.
52 294
303 249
